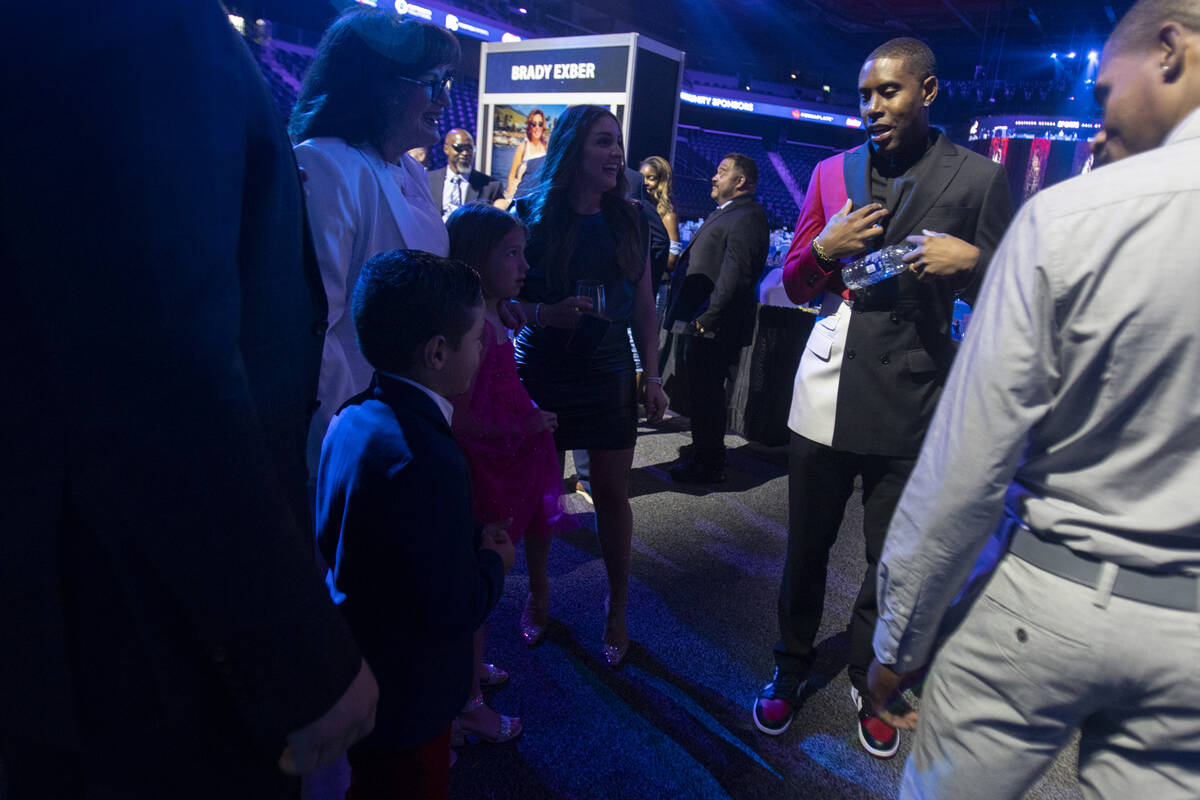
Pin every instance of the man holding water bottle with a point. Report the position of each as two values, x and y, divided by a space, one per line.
877 357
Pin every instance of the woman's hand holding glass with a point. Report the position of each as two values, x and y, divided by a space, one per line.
563 314
593 291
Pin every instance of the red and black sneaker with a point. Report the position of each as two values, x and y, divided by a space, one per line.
880 739
777 701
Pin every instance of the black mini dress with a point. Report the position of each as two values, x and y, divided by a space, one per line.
594 396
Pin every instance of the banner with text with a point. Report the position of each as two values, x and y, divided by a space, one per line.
583 69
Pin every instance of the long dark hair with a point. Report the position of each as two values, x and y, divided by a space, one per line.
475 230
352 81
551 220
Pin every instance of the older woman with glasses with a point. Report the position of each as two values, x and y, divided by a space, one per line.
531 147
377 89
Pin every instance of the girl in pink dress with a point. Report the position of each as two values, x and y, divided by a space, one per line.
507 440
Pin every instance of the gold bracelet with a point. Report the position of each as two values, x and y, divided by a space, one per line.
820 253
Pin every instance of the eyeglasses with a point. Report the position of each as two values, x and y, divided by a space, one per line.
462 148
536 124
437 86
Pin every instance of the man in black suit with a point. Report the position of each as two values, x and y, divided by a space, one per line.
875 362
459 183
165 630
712 309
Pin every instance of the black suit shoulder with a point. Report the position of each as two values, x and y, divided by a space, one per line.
489 188
437 178
975 161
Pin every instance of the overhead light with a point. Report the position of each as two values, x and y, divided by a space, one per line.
1071 54
1093 55
1054 56
826 88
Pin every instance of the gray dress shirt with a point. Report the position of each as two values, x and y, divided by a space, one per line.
1075 399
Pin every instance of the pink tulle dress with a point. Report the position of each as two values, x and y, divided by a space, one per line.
513 473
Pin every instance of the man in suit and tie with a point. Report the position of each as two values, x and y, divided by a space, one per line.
876 359
459 183
712 309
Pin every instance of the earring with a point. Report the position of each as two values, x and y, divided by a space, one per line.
1166 68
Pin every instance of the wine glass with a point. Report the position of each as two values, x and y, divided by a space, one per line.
593 290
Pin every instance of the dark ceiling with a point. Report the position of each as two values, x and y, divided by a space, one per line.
820 40
827 39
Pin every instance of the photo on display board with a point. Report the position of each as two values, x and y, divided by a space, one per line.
520 133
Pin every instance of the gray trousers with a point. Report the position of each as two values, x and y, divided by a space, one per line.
1039 657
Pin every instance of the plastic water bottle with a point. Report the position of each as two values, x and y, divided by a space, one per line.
877 266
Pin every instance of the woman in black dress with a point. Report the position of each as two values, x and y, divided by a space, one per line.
582 228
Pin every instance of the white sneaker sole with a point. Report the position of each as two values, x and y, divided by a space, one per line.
775 731
875 751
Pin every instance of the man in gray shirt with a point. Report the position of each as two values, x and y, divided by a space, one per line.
1070 428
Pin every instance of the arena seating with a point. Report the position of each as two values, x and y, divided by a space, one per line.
697 151
710 146
295 62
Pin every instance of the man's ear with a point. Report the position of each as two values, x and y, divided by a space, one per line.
433 354
1172 47
929 90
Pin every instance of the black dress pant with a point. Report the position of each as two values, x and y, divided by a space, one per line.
820 481
711 362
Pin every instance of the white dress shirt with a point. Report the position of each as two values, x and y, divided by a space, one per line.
444 405
1075 399
454 192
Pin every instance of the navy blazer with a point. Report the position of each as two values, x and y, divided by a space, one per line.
394 521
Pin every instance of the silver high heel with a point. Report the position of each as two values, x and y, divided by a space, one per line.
492 676
510 727
614 652
533 623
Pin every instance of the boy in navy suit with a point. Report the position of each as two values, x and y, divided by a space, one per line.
412 572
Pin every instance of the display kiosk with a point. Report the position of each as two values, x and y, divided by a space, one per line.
637 78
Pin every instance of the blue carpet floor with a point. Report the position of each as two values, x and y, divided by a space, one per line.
674 722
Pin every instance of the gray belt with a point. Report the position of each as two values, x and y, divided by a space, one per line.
1156 588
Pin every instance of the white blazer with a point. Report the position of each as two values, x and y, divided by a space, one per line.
358 206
